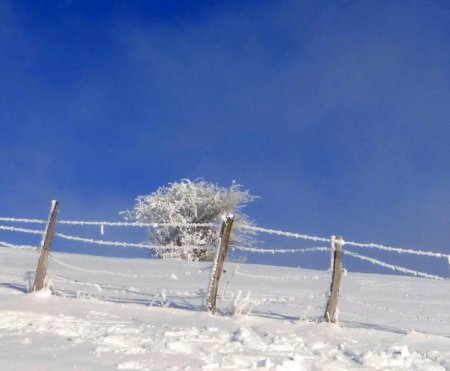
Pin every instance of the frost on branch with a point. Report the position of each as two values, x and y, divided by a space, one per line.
191 202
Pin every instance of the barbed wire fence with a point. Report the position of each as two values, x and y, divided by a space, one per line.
348 248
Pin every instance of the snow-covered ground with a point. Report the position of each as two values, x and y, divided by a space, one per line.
142 314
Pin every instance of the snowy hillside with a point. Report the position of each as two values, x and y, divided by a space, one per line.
150 316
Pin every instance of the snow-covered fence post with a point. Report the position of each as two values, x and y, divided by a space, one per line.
219 260
337 250
41 269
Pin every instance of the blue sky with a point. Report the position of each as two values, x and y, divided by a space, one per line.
335 113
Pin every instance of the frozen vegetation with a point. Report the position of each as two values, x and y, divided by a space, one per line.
197 203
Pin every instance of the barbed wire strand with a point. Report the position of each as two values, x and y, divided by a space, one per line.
190 225
283 233
131 244
127 289
22 247
274 278
99 287
280 251
131 224
109 224
389 310
397 249
393 267
23 220
118 274
103 242
21 230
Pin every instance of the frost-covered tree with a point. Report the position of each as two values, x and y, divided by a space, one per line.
191 202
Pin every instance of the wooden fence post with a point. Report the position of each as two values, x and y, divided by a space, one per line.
337 246
41 269
219 260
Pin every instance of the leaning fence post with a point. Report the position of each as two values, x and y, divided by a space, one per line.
219 260
337 249
41 269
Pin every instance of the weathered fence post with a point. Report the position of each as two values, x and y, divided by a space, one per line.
219 260
41 269
337 248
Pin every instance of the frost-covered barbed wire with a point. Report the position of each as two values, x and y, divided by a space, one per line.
275 278
75 281
132 224
108 223
118 274
100 287
103 242
283 233
21 230
280 251
153 296
355 316
191 225
127 244
285 299
23 220
393 267
397 249
23 247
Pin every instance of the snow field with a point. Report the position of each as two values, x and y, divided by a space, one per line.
150 316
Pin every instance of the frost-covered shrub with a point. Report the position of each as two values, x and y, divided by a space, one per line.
191 202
